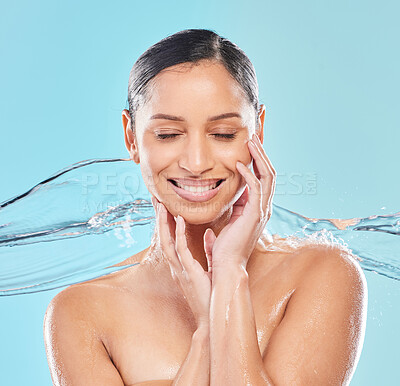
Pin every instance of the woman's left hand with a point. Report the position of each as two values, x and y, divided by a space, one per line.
187 272
251 212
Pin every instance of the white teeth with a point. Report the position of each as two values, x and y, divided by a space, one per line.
196 189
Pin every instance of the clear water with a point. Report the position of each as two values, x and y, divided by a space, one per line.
77 223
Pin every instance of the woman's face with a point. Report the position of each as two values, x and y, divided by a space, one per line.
188 138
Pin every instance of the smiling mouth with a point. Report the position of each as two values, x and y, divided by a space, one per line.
196 188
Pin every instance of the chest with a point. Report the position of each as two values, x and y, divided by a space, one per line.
149 337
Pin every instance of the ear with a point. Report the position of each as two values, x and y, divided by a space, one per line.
130 137
261 120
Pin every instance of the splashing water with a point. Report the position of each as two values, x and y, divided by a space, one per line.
75 225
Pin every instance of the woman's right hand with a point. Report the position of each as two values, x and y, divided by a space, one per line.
187 272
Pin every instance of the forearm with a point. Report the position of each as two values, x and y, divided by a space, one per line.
234 351
195 370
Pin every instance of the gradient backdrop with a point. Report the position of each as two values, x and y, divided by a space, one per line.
328 73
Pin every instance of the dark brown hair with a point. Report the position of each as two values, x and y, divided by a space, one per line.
190 46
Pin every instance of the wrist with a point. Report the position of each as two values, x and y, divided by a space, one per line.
231 272
229 269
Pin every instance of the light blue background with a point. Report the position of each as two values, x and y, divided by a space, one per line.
328 73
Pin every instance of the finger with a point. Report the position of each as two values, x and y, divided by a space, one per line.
166 241
259 145
242 200
261 162
183 252
269 181
256 166
255 192
239 205
171 224
209 239
263 171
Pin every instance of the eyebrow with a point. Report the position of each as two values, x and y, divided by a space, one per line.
209 119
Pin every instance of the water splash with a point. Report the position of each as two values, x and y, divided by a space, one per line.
78 223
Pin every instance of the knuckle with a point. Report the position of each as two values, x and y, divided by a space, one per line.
257 185
171 243
271 178
185 275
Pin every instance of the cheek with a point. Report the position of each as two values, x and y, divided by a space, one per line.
150 167
239 152
156 155
153 161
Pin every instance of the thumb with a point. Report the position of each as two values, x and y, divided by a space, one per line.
209 239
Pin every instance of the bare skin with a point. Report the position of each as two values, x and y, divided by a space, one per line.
127 314
296 314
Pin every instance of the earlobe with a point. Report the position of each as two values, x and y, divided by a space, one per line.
261 120
133 150
135 157
130 138
132 145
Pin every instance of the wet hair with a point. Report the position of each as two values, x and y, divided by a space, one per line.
190 46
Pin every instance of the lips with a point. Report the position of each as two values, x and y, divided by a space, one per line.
197 186
196 190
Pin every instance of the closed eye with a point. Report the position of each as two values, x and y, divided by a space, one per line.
166 136
225 136
217 135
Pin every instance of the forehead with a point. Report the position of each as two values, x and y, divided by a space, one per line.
205 77
202 89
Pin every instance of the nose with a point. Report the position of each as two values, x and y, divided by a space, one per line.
197 156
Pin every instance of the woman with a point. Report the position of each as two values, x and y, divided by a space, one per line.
213 300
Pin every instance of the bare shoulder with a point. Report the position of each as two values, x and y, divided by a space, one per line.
322 331
72 313
331 271
76 301
311 259
333 265
85 300
82 305
310 264
73 338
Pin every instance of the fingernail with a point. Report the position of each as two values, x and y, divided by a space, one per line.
182 221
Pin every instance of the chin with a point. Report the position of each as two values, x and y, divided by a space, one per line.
196 216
